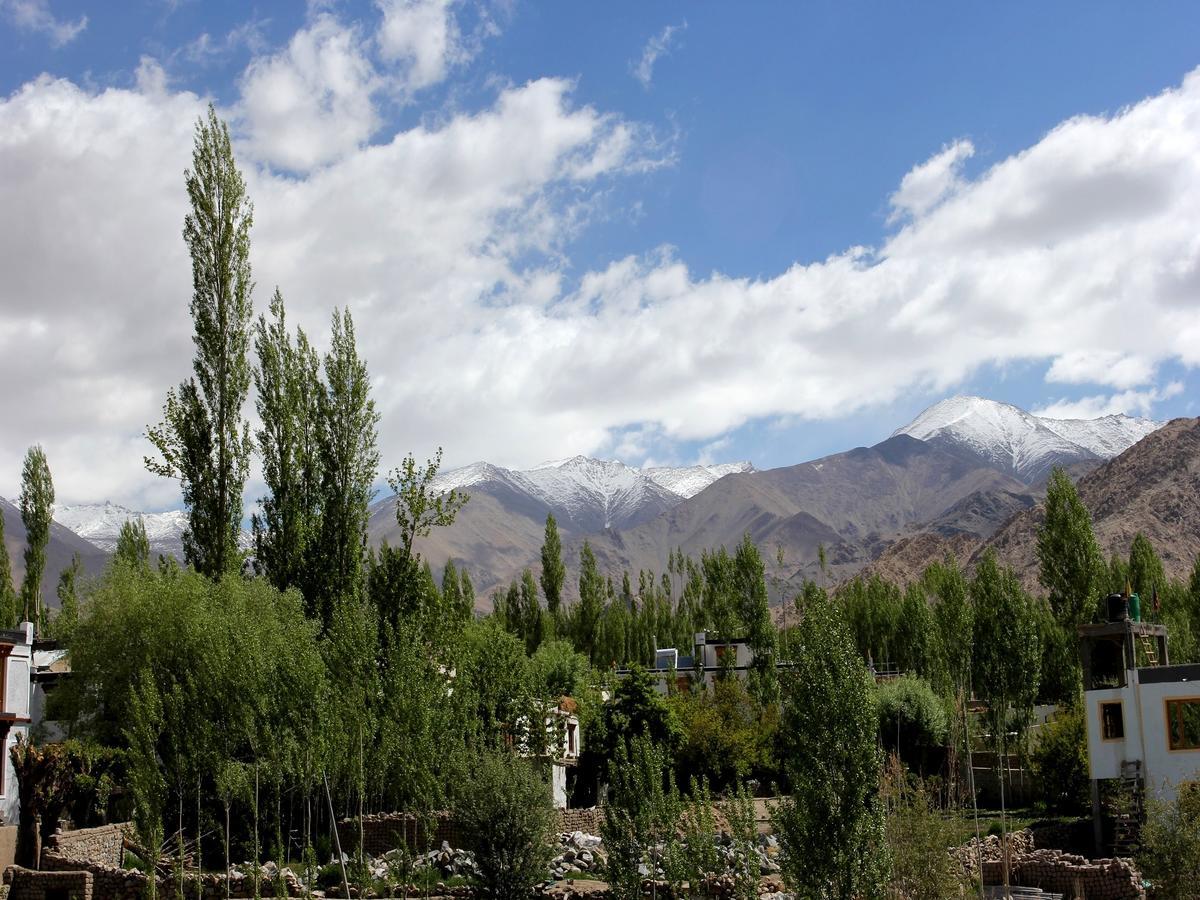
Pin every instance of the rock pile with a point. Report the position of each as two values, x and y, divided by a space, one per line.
581 854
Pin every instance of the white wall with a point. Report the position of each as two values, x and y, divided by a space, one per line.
1164 769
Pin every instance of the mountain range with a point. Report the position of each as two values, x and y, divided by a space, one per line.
949 480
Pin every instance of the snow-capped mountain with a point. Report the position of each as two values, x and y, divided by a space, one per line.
100 524
1020 443
688 481
588 494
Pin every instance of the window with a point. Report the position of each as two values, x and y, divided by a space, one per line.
1112 721
1183 724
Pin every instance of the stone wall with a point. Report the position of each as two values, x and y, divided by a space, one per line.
104 845
1075 877
588 821
26 884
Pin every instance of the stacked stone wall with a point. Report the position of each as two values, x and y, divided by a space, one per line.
1055 871
26 884
104 845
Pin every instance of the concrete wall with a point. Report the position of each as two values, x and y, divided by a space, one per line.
16 703
1145 726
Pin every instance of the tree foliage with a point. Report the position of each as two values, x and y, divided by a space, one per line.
37 507
203 440
831 828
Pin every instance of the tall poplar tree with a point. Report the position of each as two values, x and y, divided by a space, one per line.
554 573
349 463
8 592
287 380
591 603
831 829
1070 563
37 507
203 440
133 544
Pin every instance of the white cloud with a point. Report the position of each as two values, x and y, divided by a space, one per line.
1130 403
659 45
927 185
451 245
1102 366
423 37
311 103
35 15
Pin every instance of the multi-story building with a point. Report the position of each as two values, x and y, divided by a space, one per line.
1143 715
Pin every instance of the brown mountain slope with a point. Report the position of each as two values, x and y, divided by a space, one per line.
854 503
1153 487
63 544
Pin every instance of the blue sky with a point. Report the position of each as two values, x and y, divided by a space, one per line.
676 279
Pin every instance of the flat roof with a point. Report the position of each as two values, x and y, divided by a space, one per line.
1169 674
1124 626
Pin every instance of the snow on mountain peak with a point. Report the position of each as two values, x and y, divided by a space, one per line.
1020 442
688 481
100 524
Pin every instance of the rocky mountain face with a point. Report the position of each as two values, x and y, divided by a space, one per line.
1153 487
500 530
1021 444
100 525
949 480
60 549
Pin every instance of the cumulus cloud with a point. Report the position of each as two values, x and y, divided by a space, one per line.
35 15
450 243
423 37
311 103
928 184
1137 403
659 45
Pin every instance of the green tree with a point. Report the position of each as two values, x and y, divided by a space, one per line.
954 620
1070 563
642 808
1170 851
349 462
750 586
133 544
8 594
506 815
289 392
1146 575
419 506
831 829
37 509
63 625
591 604
554 573
203 440
1007 657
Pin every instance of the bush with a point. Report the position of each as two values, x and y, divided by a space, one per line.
919 839
912 720
506 815
1060 764
1170 854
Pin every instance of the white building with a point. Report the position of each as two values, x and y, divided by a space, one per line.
710 659
16 651
562 745
1143 714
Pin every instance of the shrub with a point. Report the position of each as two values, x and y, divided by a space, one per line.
1060 764
505 813
1170 854
912 720
919 839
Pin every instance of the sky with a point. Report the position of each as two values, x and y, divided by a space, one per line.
663 233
